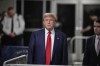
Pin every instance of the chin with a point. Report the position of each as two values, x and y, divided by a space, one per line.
97 34
49 28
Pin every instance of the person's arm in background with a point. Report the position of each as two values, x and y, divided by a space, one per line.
65 51
86 29
5 29
31 49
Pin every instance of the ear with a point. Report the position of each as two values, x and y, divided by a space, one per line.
43 23
55 23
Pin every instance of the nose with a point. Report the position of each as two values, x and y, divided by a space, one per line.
48 21
95 28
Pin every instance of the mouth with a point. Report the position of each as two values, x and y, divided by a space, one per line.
48 25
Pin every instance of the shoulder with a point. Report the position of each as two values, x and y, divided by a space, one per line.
90 41
38 31
18 15
91 37
60 33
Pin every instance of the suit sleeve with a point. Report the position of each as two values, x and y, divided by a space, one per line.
31 49
65 52
86 54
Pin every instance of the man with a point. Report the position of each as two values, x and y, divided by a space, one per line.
92 51
88 27
13 27
48 46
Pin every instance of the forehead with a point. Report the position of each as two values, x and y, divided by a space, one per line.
93 15
12 10
96 23
49 17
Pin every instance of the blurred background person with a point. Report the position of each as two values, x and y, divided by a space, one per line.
0 38
92 50
93 16
48 46
1 26
13 27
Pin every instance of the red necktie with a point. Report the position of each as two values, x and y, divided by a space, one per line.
48 49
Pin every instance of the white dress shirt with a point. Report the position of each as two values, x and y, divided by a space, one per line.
52 39
96 42
18 24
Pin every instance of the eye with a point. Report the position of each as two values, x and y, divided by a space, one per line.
97 26
45 19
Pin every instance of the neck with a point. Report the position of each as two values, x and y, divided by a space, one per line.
49 29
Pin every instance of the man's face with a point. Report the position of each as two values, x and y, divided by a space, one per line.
49 22
11 12
97 28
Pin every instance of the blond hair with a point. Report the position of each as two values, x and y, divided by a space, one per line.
50 14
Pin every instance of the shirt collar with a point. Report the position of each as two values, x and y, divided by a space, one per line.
46 31
97 36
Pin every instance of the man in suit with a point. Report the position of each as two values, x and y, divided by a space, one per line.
48 45
92 51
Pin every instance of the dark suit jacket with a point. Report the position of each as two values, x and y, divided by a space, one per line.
90 55
1 26
36 53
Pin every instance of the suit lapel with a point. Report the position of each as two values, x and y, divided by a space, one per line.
42 40
55 43
93 45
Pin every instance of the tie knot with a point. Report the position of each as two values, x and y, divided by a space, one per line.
49 32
